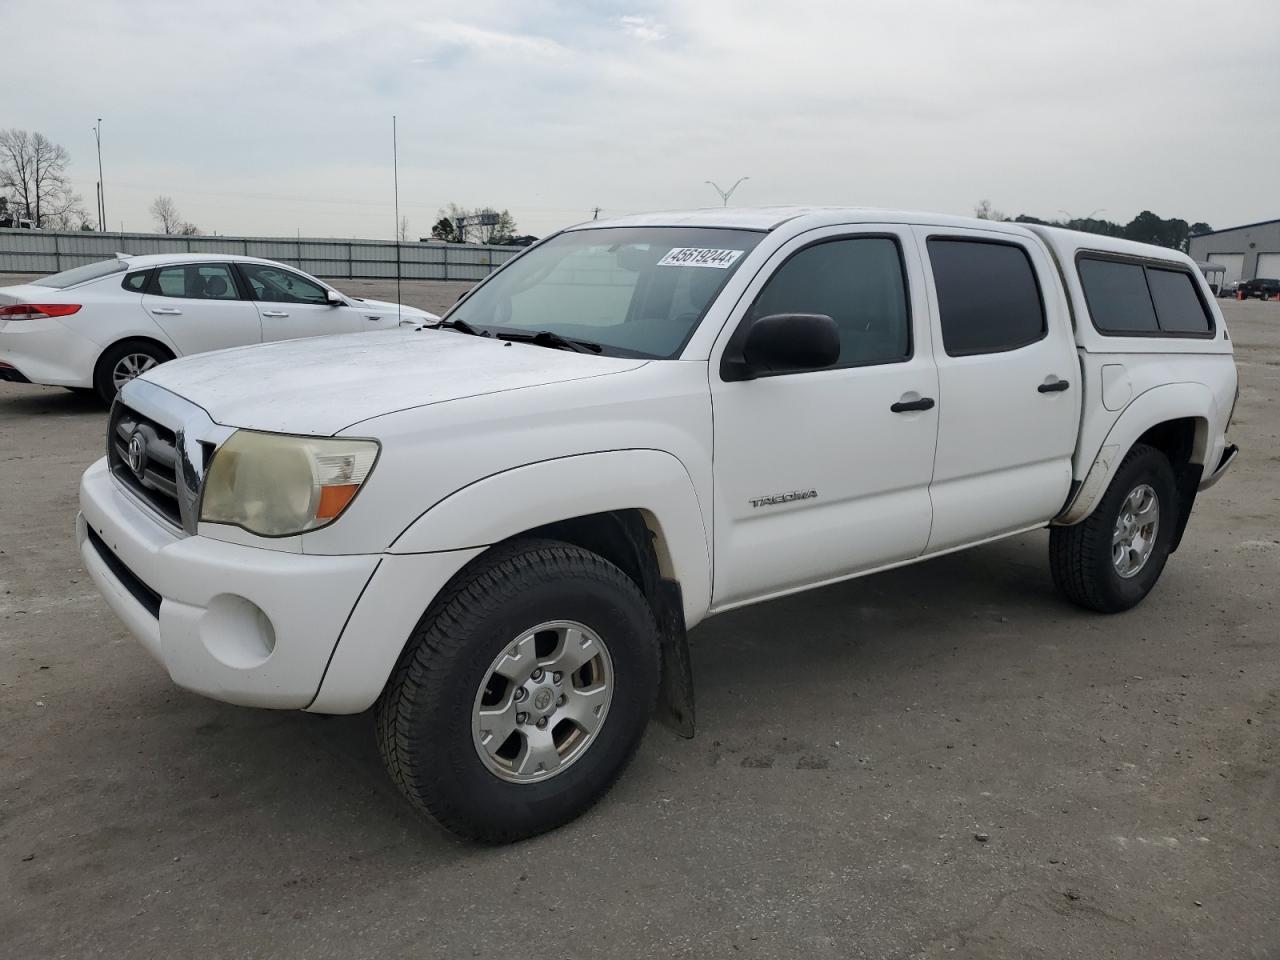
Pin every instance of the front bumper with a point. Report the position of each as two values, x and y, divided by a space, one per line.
251 626
46 351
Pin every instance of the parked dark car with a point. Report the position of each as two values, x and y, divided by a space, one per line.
1264 288
1228 289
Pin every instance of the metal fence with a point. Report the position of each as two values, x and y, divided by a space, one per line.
44 252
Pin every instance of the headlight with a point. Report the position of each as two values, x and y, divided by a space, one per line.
276 485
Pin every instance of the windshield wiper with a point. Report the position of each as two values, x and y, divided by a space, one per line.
546 338
462 327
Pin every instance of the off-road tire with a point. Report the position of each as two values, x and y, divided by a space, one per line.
424 715
1080 555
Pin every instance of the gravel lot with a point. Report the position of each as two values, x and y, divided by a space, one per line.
853 742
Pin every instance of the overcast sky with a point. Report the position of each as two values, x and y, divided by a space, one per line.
267 118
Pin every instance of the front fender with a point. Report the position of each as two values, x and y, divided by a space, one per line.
1172 401
505 504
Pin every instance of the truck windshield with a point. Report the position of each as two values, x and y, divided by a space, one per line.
635 291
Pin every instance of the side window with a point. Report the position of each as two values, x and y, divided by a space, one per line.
1117 294
1178 306
136 282
195 281
277 285
988 296
1135 299
859 282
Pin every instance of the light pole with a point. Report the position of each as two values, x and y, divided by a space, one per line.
726 194
102 202
1091 215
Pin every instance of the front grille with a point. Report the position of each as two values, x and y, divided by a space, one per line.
155 480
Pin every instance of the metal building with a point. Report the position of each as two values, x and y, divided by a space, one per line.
1250 251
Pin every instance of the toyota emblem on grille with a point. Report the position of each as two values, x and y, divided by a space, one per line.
136 454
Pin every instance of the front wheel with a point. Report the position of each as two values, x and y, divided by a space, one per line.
1112 559
522 693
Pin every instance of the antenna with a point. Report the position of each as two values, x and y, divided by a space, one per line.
395 173
595 213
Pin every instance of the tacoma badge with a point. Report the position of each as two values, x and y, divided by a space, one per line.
783 498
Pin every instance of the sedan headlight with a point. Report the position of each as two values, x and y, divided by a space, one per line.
276 485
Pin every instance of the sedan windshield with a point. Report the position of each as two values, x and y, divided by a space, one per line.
634 291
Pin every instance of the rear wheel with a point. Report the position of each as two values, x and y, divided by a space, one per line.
523 692
1112 559
122 362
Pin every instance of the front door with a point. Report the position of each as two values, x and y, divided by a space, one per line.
199 307
825 473
1008 385
293 306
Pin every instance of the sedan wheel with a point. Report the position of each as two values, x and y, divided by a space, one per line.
130 366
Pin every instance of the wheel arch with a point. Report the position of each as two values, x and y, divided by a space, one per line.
605 502
143 339
1174 418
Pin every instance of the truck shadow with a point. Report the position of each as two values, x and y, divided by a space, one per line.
760 667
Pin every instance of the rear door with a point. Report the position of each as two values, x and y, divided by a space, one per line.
200 307
825 473
1008 384
293 306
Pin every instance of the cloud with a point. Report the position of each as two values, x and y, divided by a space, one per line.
550 107
644 28
487 42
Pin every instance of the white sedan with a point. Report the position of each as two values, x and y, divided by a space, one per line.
99 326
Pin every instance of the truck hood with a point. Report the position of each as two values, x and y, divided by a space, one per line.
321 385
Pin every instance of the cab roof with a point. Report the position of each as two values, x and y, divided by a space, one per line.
770 218
798 218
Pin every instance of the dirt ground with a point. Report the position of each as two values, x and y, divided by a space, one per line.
853 743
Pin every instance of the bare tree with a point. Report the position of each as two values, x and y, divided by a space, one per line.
169 221
984 211
33 176
402 232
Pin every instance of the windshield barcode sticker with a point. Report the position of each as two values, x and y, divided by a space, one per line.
700 257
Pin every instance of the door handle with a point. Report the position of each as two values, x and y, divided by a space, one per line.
166 311
906 406
373 319
274 313
1054 386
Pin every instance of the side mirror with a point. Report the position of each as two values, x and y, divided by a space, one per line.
782 343
334 298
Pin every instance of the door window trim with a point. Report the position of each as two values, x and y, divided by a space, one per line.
733 346
1147 263
1011 241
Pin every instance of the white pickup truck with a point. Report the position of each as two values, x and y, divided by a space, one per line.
496 532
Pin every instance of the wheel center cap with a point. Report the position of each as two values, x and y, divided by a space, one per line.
542 699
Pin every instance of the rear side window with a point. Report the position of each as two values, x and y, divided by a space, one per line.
136 282
988 296
1127 298
203 281
1119 300
857 282
1178 307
